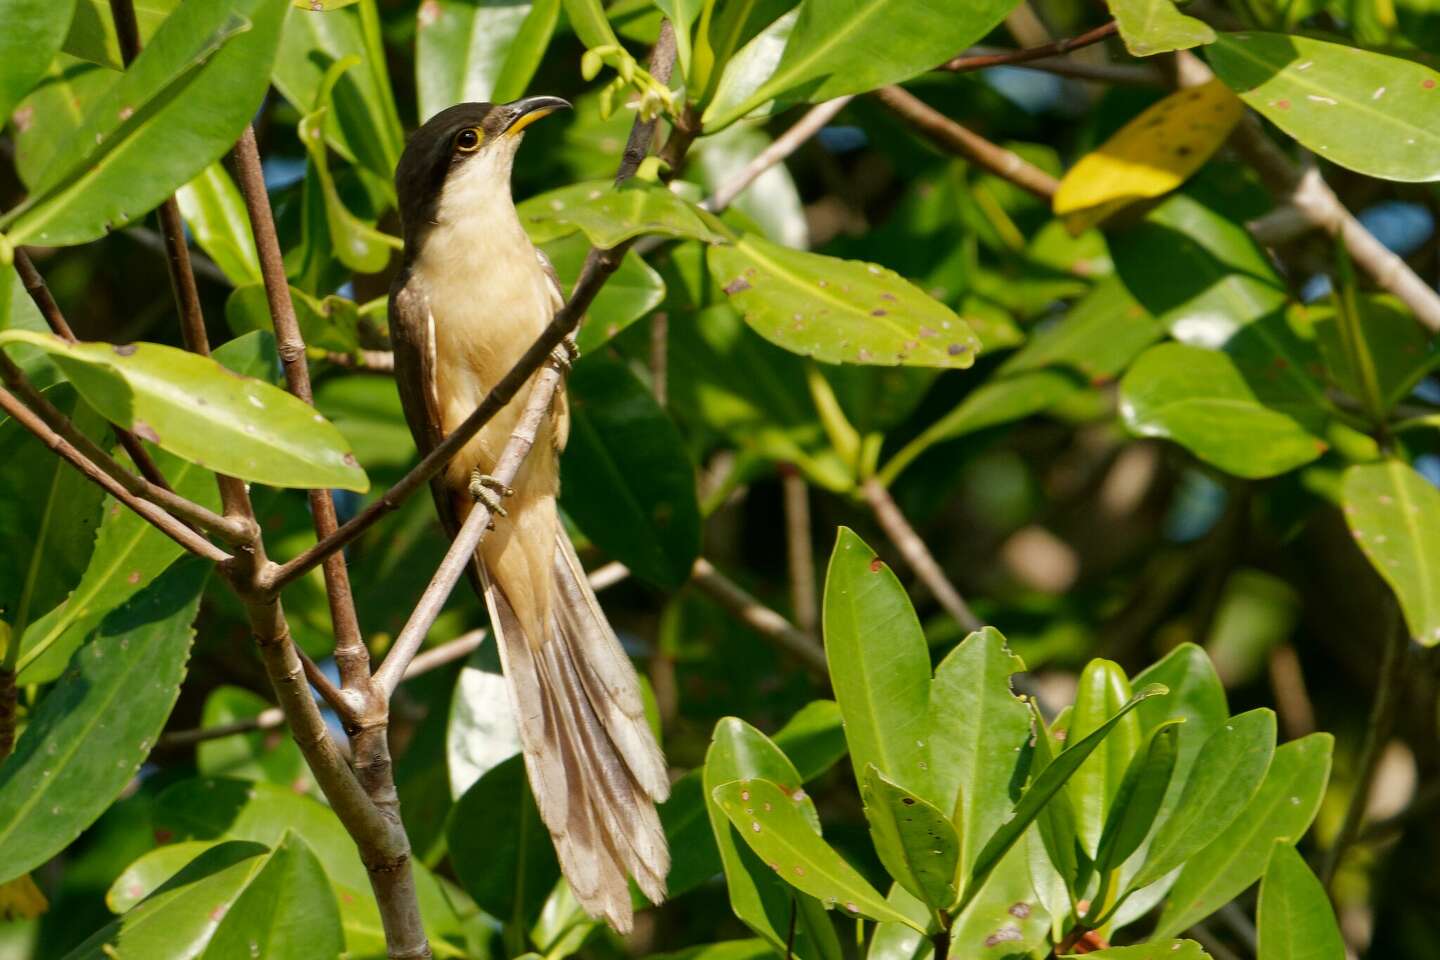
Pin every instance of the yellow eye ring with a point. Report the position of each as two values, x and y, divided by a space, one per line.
469 140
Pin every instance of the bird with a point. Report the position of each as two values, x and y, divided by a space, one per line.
471 296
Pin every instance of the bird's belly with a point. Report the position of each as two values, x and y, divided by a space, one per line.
484 320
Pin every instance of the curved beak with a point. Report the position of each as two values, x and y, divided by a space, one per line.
519 114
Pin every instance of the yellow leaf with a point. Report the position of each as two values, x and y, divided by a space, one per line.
20 899
1150 156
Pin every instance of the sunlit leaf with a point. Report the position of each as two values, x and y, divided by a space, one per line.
34 30
286 912
1363 110
1394 514
215 212
1156 949
1151 155
609 216
839 311
92 32
1294 917
474 50
254 755
1134 808
1149 27
914 839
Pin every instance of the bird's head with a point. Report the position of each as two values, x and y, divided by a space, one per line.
468 147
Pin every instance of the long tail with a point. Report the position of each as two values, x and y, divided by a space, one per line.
595 768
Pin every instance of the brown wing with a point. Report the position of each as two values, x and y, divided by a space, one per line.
412 338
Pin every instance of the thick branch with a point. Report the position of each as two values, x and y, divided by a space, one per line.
759 617
913 549
351 656
953 138
162 521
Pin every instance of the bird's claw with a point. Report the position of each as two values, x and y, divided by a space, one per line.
563 357
487 490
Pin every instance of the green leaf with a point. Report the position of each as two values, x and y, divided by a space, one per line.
1153 950
1043 788
182 104
1103 690
629 483
199 410
364 126
480 732
839 311
215 212
1149 27
1004 919
587 19
53 111
1390 356
849 46
270 755
1294 917
286 912
1136 804
1229 769
1097 338
879 666
49 512
178 919
208 808
759 898
1058 854
472 50
92 32
1199 399
1394 514
499 847
1280 810
148 873
34 30
978 732
609 216
723 30
914 839
93 729
900 941
777 828
632 291
1363 110
332 323
355 243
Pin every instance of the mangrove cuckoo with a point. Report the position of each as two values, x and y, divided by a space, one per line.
472 296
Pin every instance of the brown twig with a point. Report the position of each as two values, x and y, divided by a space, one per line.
780 148
799 550
967 62
1112 73
369 361
759 617
953 138
917 554
351 656
162 521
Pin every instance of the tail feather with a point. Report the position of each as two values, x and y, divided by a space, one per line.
593 763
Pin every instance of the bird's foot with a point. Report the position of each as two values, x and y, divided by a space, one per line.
563 357
489 491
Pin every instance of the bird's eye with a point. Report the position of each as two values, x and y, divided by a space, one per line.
468 140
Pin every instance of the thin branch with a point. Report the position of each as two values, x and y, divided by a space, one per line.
1389 690
472 532
967 62
436 657
162 521
759 617
1307 191
598 267
799 549
1113 73
913 549
953 138
351 655
780 148
606 576
152 485
369 361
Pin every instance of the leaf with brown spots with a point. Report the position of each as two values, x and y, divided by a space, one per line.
839 311
1148 157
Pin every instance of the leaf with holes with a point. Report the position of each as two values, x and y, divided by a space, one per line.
1363 110
774 826
177 109
1149 156
199 410
839 311
1394 514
